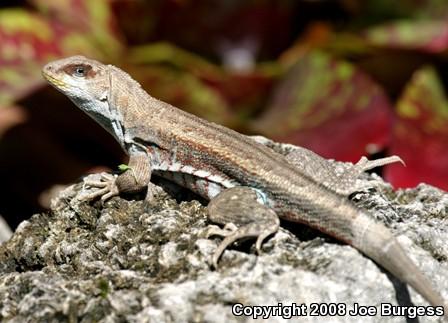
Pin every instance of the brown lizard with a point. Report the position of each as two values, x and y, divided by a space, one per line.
249 183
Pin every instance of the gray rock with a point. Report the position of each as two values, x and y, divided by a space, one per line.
125 261
5 230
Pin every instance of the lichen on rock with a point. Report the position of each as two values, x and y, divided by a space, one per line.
128 261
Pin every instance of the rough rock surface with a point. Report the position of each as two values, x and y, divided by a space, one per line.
125 261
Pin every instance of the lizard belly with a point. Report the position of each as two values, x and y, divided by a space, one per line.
198 181
201 179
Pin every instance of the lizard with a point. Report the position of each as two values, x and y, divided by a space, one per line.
251 182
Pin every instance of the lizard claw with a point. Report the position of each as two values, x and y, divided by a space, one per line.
106 185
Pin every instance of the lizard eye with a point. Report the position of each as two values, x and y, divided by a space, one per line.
79 70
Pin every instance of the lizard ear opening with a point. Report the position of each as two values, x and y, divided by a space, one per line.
104 96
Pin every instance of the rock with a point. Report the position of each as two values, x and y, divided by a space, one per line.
5 230
125 261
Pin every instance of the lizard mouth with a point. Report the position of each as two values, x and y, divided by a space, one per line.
54 81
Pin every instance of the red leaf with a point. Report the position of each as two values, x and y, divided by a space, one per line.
330 107
420 134
28 40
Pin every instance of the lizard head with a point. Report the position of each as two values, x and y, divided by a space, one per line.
80 78
87 83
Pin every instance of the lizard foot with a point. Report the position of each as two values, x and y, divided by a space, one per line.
106 185
243 216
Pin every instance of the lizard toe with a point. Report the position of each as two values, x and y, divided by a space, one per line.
214 230
104 187
271 230
254 230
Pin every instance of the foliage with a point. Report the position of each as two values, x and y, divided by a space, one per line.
344 78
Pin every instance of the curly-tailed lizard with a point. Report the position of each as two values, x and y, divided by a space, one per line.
250 181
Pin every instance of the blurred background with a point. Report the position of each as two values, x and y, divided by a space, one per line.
344 78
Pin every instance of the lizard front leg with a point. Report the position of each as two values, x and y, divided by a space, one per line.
243 216
134 179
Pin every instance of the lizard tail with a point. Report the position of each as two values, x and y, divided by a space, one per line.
377 242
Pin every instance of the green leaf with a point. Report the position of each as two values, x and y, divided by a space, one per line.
158 53
424 35
93 20
123 167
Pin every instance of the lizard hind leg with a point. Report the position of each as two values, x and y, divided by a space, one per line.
338 177
239 209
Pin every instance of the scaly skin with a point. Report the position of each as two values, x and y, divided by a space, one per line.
151 131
